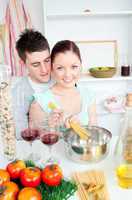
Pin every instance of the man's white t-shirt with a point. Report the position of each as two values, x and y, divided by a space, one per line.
40 87
22 94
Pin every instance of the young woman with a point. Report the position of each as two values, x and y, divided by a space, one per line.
70 101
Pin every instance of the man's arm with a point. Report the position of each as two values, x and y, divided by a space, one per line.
20 106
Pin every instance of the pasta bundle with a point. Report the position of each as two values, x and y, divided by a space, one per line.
82 132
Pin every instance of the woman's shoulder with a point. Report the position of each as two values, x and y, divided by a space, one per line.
86 91
87 94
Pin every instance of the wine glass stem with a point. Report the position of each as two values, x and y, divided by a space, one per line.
50 160
31 147
50 151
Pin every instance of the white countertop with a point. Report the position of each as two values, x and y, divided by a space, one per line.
68 166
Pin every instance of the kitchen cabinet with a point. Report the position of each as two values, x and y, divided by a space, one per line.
110 20
91 20
95 21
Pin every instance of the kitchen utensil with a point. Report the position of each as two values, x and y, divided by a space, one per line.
84 151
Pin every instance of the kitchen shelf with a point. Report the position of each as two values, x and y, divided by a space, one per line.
104 112
91 14
85 78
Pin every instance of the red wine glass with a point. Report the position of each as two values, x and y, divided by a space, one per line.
49 136
30 134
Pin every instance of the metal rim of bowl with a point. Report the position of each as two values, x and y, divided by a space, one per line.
97 149
106 131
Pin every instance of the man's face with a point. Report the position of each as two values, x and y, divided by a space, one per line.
39 66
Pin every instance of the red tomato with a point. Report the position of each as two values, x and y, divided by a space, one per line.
29 193
9 191
52 175
14 168
4 176
30 176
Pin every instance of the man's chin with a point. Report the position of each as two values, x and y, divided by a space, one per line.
44 79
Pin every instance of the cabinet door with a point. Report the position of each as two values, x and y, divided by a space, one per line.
109 20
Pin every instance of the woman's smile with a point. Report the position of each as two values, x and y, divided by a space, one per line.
68 80
66 69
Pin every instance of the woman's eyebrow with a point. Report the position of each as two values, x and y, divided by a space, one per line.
58 65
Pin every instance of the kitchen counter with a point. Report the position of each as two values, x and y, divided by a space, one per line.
107 165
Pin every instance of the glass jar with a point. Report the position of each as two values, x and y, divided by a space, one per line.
6 116
124 151
125 70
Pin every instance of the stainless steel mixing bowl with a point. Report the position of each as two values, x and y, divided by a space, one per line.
92 150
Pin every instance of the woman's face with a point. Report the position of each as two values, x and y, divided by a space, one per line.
66 69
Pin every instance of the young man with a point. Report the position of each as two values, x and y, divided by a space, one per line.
33 49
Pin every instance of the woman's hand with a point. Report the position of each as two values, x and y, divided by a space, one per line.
56 118
71 118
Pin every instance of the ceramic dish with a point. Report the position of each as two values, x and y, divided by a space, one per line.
102 72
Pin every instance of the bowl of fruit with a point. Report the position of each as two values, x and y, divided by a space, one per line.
102 72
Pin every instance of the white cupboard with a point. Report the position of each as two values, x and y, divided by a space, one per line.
95 20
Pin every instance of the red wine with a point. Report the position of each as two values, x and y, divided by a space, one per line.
29 134
49 138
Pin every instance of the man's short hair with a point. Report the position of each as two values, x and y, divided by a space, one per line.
31 41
